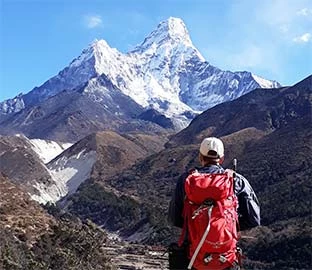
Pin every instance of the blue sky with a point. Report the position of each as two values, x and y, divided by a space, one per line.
38 38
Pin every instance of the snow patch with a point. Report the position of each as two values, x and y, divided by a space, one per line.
47 150
263 82
67 174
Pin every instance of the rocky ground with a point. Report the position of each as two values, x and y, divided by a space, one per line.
137 257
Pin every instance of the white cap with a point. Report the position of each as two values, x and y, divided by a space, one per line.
212 145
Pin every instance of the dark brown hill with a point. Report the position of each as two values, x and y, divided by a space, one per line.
116 152
280 166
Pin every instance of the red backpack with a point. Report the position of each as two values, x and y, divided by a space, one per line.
210 220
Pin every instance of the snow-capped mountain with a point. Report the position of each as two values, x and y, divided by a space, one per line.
165 72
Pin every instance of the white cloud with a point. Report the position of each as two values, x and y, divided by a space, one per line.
93 21
304 12
303 38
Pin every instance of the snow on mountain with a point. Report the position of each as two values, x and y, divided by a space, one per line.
148 74
265 83
67 173
170 30
165 72
47 150
161 58
12 105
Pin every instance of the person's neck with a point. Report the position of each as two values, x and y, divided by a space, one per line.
211 164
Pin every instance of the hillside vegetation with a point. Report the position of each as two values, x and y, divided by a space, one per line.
32 239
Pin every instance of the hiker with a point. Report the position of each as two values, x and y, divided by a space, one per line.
244 206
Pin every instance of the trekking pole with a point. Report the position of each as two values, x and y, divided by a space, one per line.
234 166
234 172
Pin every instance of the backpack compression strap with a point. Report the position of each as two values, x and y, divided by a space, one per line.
202 240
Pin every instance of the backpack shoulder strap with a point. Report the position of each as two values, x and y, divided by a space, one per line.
193 170
230 172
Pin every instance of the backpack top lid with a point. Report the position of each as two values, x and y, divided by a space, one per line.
200 187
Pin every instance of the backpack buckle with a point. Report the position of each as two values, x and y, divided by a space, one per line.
209 202
208 259
222 259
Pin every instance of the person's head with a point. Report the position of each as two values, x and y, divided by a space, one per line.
211 151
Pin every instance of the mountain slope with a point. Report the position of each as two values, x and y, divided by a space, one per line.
20 162
20 213
30 238
47 150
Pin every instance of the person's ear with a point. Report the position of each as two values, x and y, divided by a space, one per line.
200 159
221 160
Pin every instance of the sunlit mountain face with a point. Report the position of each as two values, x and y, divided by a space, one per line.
165 73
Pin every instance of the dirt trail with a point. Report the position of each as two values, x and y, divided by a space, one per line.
137 257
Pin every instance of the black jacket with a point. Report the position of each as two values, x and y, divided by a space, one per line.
248 209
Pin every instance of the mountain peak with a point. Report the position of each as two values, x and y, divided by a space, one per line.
176 29
99 44
172 29
263 83
98 48
99 54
